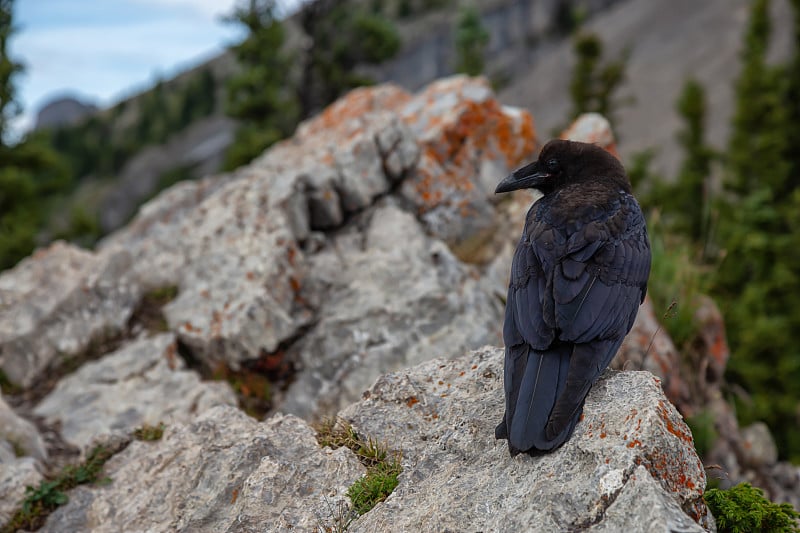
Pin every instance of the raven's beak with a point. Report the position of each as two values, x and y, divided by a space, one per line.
528 177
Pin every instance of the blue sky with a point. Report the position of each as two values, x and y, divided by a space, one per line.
103 50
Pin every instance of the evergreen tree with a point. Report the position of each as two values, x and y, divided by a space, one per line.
259 95
758 279
9 108
471 42
687 201
343 35
29 170
593 84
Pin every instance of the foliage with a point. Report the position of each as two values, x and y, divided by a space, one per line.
691 194
149 433
594 83
343 35
676 282
382 467
258 95
568 17
704 431
9 107
42 500
743 508
471 42
757 282
375 486
30 173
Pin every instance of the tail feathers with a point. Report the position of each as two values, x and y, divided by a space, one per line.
588 362
537 380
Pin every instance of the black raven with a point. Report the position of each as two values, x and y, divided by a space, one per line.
578 277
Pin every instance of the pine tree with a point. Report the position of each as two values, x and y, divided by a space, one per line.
471 42
757 281
689 199
343 35
593 84
29 170
259 95
9 107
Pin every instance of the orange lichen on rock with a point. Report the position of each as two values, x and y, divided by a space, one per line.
354 105
682 433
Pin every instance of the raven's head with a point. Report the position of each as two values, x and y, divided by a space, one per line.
561 163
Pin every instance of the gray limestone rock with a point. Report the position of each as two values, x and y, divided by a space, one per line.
16 473
223 472
20 435
22 455
144 382
441 416
629 467
54 304
394 297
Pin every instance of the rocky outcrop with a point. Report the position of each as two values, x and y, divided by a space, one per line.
369 242
22 456
54 304
291 255
631 459
144 383
222 472
442 414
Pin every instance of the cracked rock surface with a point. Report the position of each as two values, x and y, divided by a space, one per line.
222 472
631 446
145 382
631 462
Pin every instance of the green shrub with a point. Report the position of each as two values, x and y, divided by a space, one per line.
744 509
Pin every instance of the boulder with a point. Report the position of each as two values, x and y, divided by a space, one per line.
630 462
242 248
222 472
393 297
144 382
56 303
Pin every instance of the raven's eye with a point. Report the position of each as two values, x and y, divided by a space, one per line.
552 165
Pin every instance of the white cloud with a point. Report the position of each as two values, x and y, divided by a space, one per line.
208 9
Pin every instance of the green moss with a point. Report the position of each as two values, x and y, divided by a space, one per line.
744 508
163 294
375 486
149 433
383 467
40 501
19 449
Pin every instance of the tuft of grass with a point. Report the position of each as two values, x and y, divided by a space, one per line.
339 517
19 449
676 282
40 501
375 486
163 295
383 467
744 508
149 433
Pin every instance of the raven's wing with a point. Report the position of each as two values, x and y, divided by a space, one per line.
599 277
598 281
534 374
